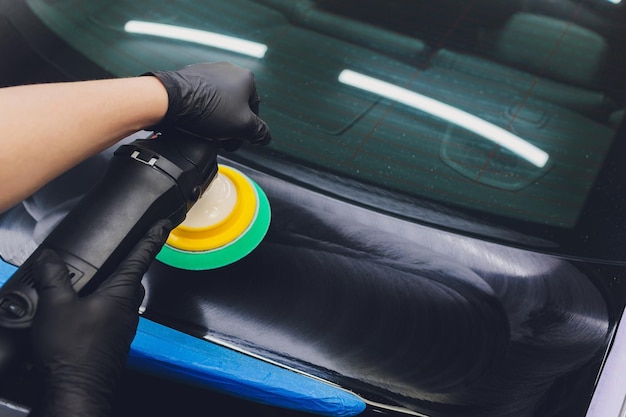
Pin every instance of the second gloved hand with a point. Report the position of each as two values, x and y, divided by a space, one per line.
214 101
80 344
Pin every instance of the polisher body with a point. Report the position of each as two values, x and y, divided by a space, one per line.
146 181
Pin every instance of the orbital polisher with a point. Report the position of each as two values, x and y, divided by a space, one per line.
221 215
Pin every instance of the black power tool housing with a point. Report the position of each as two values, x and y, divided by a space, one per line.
147 180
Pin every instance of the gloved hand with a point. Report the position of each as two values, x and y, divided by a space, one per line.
214 101
80 344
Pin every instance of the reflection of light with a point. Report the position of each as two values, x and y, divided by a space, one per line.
489 131
615 1
202 37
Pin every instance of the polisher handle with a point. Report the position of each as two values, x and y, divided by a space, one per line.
146 181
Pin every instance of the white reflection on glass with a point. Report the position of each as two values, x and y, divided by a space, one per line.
216 40
451 114
615 1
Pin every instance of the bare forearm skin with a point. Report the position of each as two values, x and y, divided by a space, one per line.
49 128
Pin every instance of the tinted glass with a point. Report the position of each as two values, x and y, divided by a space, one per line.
505 107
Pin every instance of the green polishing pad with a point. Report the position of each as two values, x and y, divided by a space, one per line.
184 248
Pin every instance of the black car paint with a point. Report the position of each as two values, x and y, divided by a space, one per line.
336 287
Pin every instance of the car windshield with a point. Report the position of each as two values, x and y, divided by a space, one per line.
502 107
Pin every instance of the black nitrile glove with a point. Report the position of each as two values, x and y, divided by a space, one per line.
80 344
214 101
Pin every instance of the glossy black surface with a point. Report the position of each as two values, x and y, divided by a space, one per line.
430 320
440 320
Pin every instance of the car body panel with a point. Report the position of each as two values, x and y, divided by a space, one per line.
396 266
165 352
368 302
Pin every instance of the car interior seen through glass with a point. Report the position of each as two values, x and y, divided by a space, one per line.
490 105
445 180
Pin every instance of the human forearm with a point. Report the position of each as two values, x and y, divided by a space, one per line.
78 340
48 128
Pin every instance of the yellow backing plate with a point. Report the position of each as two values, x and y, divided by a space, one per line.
233 225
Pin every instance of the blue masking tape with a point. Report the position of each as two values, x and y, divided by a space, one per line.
6 270
163 351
